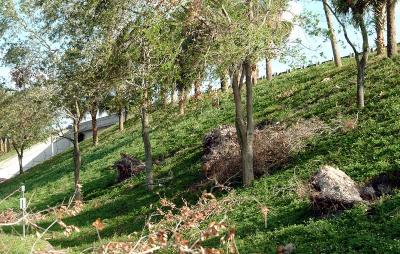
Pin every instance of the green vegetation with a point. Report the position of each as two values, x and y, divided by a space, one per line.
5 156
324 91
16 245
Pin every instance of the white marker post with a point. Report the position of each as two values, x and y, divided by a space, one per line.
22 206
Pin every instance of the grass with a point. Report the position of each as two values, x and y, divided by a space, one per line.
10 244
368 150
8 155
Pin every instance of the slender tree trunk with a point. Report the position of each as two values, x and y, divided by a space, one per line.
224 81
244 128
379 20
147 144
20 157
126 109
173 95
254 74
121 119
332 35
360 86
242 76
362 65
182 101
163 95
6 145
391 28
197 91
93 113
1 145
268 68
77 154
247 151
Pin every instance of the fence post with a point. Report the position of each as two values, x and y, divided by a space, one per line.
22 206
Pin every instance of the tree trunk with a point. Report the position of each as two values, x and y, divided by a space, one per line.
197 87
247 151
360 86
93 113
332 35
21 168
224 81
182 101
254 74
391 28
147 144
242 75
268 68
121 119
77 154
163 94
20 156
244 128
173 95
6 145
379 21
362 65
1 145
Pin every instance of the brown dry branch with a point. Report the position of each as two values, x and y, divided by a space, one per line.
181 228
8 216
72 208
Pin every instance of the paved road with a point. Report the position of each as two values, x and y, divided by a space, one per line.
10 166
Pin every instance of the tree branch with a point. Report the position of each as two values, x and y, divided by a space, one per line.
356 53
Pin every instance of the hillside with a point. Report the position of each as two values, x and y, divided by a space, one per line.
323 91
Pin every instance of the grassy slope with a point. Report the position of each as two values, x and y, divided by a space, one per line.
16 245
5 156
372 148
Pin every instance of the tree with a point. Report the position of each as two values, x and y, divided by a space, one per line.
146 49
118 101
379 22
237 35
268 68
192 59
281 30
332 35
357 11
26 118
224 78
4 143
391 28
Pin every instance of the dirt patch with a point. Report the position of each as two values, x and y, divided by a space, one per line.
382 184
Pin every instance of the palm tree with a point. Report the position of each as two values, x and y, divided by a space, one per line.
391 28
379 22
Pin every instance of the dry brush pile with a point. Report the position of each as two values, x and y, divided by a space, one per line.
128 167
274 145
